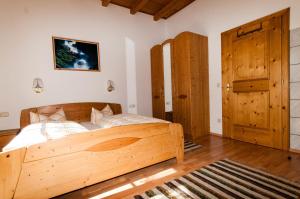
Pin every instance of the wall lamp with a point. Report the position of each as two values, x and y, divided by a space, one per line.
110 86
38 85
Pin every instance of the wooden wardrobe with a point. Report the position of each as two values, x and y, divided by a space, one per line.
190 83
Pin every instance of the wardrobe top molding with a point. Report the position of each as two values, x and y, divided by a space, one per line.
159 9
170 40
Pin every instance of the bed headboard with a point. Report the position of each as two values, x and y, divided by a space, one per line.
78 112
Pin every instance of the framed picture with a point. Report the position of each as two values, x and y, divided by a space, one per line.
77 55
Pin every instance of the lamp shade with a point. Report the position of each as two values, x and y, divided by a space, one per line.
38 85
110 86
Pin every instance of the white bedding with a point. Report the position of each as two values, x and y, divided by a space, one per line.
90 126
42 132
127 119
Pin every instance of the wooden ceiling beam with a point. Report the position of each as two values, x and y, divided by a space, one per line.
137 6
105 2
162 12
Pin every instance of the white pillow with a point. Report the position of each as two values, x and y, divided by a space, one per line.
58 116
36 118
107 111
96 116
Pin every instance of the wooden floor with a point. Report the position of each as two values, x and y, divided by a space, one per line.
213 148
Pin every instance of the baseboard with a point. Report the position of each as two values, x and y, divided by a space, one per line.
216 134
221 135
295 150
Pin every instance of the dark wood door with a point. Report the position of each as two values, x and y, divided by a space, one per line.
255 81
157 78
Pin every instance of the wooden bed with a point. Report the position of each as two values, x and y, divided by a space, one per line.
58 166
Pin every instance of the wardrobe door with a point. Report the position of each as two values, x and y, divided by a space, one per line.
199 86
157 78
181 83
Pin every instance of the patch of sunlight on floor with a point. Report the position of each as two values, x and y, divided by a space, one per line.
159 175
139 182
113 191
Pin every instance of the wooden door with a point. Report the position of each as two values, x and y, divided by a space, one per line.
157 78
181 83
255 81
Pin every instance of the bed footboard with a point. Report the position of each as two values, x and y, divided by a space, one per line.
59 166
10 169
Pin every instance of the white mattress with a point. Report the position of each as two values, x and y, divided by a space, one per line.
42 132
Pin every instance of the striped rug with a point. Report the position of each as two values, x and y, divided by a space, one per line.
188 146
225 179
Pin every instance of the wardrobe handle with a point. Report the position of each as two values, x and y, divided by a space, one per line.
162 92
182 96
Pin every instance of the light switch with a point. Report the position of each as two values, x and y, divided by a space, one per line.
132 106
4 114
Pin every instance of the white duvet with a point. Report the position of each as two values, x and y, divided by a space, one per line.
42 132
127 119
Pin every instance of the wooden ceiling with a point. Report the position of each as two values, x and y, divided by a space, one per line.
159 9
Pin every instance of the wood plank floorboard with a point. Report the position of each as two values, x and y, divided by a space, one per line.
213 148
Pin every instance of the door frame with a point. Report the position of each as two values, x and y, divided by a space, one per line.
285 73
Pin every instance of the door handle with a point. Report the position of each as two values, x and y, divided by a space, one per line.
156 97
182 96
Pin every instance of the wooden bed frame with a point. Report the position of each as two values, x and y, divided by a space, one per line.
59 166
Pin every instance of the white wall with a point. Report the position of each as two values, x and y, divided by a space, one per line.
167 77
26 28
211 17
294 88
131 76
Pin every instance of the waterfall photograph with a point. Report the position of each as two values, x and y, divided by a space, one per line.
71 54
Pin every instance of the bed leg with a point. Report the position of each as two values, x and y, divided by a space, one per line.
177 132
